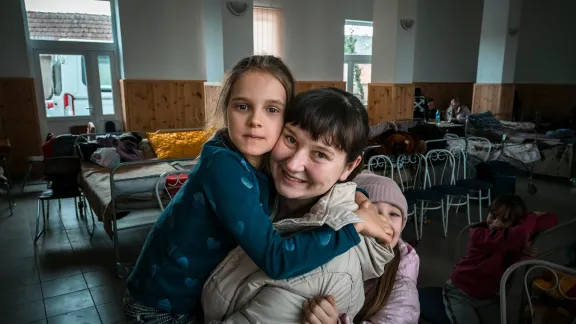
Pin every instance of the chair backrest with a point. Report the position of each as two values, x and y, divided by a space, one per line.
168 185
457 146
557 244
381 164
479 147
439 166
461 244
409 171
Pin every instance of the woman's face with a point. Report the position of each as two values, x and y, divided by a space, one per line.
255 114
394 217
454 103
303 168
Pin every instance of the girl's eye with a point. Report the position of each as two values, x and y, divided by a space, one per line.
242 107
290 139
273 110
394 215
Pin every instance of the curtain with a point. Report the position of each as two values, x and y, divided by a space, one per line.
268 31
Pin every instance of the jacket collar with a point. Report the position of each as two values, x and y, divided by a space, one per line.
340 197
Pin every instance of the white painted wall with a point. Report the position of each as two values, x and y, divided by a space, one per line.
493 41
385 40
14 52
546 48
447 40
162 39
213 41
238 34
314 35
511 50
406 42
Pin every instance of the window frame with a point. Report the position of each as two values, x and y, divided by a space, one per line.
352 59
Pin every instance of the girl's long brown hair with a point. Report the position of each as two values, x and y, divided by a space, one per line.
384 287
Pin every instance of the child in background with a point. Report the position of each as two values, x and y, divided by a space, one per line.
226 202
392 298
471 294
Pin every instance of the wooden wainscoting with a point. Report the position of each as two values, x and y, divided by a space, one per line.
149 105
552 101
19 122
212 94
390 101
443 92
302 86
495 97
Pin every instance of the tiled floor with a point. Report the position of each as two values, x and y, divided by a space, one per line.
68 277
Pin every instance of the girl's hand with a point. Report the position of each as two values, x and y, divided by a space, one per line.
320 310
374 225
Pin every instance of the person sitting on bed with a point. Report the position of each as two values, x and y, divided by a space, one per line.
320 149
226 202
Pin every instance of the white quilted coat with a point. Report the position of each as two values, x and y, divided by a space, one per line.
239 292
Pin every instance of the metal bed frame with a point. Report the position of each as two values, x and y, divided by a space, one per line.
145 216
527 167
532 265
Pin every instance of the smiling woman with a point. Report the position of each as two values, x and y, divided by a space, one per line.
320 145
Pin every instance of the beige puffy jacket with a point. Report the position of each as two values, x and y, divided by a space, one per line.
239 292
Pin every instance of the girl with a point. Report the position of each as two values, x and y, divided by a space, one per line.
320 149
227 201
392 298
471 294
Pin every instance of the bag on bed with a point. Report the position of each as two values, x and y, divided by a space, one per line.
106 157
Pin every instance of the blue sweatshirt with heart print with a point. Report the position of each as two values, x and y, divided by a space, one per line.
225 202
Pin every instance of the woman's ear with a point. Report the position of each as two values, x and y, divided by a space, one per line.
350 167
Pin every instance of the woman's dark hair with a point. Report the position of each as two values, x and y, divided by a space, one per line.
384 287
508 210
255 63
333 115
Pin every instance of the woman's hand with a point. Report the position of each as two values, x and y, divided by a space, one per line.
374 225
320 310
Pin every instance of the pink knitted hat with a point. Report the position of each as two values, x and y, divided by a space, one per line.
383 189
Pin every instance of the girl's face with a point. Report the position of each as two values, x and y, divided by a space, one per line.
305 168
454 103
255 114
394 217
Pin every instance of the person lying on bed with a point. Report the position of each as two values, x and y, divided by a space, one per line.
320 148
226 202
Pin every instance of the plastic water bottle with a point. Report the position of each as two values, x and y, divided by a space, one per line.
437 116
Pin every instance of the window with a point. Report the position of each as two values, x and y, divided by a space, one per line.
69 20
268 31
358 57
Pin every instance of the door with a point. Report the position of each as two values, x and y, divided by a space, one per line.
77 88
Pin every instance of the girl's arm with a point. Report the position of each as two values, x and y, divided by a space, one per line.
232 190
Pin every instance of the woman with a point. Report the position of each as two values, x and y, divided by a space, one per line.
455 111
324 134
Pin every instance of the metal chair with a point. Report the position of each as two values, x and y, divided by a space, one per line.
62 173
5 191
436 187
